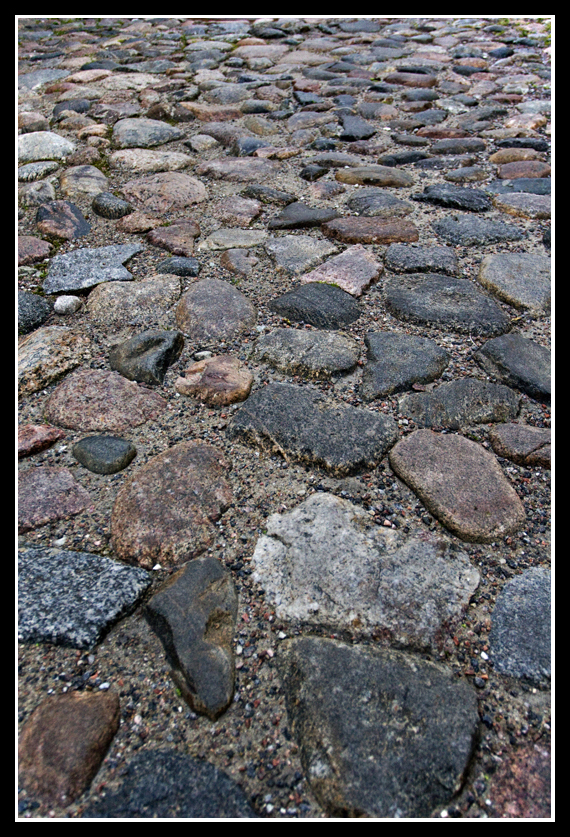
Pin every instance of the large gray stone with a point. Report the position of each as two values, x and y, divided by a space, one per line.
314 353
520 279
297 253
461 402
397 360
518 362
144 133
466 230
43 145
213 310
86 268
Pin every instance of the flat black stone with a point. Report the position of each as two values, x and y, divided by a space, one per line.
455 197
33 311
402 158
299 216
146 357
407 258
524 142
374 201
318 304
460 145
533 185
458 403
104 454
355 128
312 172
180 266
466 230
396 361
518 362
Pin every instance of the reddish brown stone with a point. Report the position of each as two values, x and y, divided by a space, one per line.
354 229
523 168
238 261
31 249
46 494
63 743
520 788
411 79
217 381
170 191
212 113
177 239
33 438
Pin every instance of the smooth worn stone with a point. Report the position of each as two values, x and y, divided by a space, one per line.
73 598
519 640
144 160
43 145
62 219
268 195
411 79
159 783
108 205
512 155
164 193
194 615
166 514
315 354
80 182
238 169
144 304
353 270
213 310
230 239
146 357
216 381
522 443
375 202
144 133
518 362
528 185
94 399
404 747
34 194
406 587
318 304
355 128
63 743
298 421
465 231
46 355
298 215
466 174
373 175
46 494
458 403
33 311
32 249
520 279
238 261
178 238
34 438
444 302
104 454
237 211
523 168
396 361
180 266
298 253
137 222
455 197
31 121
525 205
336 159
405 258
460 483
85 268
375 230
458 145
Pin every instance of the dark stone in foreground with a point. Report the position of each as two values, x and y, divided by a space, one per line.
396 361
146 357
467 231
411 258
33 310
165 783
381 733
62 219
319 304
104 454
519 362
108 205
461 402
455 197
298 421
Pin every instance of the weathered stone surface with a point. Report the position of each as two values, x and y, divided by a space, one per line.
166 192
43 145
229 239
316 354
353 270
143 160
405 258
46 355
46 494
522 443
349 757
297 253
323 564
85 268
455 197
194 615
146 304
298 215
461 402
396 361
81 182
319 304
237 211
238 260
520 279
461 484
62 219
519 641
444 302
465 230
238 169
217 381
94 399
144 133
375 202
166 513
177 238
525 205
33 311
166 783
32 249
518 362
63 743
108 205
146 357
373 175
73 598
33 438
521 787
104 454
375 230
458 145
180 266
213 310
523 168
300 422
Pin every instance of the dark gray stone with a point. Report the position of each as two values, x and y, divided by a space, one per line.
466 230
144 133
298 215
108 205
62 219
455 197
33 310
146 357
194 615
524 142
180 266
355 128
300 422
409 258
396 361
81 269
213 310
168 784
533 185
445 302
317 354
381 733
266 194
319 304
245 146
76 105
374 201
518 362
458 146
73 598
519 640
402 158
104 454
455 404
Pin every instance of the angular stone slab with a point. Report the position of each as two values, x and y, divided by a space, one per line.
316 354
381 733
146 357
465 230
406 258
318 304
461 402
32 249
460 483
144 133
87 267
353 270
177 238
519 279
518 362
228 239
396 361
46 494
445 302
373 175
213 310
46 355
297 253
33 438
298 421
239 169
73 598
324 565
525 205
194 615
375 230
94 399
216 381
104 454
519 640
141 304
166 513
522 443
455 197
166 192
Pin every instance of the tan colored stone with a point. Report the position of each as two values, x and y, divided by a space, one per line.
354 270
46 355
513 155
216 381
165 192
